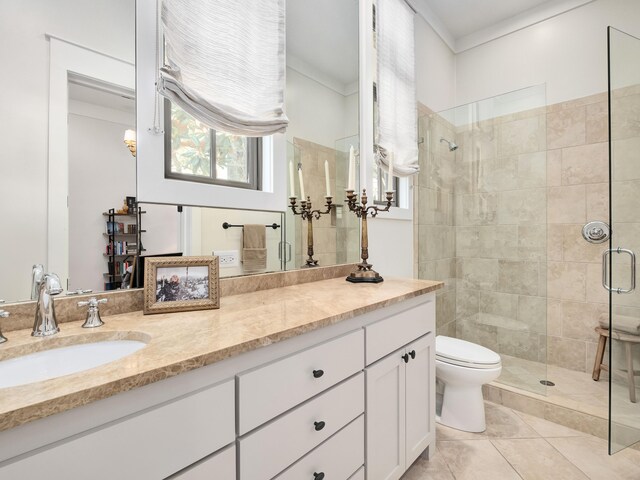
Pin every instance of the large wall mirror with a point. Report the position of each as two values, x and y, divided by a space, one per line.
71 96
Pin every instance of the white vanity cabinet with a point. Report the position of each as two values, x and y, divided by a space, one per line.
400 392
349 401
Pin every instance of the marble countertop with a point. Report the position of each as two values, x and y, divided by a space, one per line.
179 342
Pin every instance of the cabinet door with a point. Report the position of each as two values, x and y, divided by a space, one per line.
385 384
420 397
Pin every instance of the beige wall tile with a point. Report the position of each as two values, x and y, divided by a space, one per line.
585 164
532 170
566 281
555 242
579 320
477 209
624 158
624 117
567 353
597 122
598 202
532 311
522 207
518 277
567 204
595 291
624 199
566 128
554 317
501 304
532 242
521 136
517 343
467 303
478 273
554 168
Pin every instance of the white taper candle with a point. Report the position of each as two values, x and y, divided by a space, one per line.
302 195
351 185
326 177
390 186
292 184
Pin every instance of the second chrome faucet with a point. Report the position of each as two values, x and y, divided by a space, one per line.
45 323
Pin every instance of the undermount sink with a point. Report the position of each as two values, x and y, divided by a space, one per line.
64 360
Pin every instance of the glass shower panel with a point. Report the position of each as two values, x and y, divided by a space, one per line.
482 223
624 351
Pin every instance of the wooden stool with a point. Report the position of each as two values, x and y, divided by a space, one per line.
628 341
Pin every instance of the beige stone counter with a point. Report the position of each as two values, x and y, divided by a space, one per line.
180 342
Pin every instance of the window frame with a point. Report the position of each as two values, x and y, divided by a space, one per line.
254 159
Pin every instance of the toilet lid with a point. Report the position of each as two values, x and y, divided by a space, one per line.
456 351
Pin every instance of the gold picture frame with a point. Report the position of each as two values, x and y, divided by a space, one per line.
181 284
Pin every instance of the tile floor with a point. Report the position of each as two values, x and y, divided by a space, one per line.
522 447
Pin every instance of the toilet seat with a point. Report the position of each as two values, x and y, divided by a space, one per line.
465 354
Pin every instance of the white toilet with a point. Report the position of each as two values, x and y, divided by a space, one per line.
463 367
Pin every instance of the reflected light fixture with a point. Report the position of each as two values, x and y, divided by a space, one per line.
130 141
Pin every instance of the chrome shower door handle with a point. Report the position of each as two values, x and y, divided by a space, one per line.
605 270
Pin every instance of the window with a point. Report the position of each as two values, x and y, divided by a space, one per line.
380 183
196 153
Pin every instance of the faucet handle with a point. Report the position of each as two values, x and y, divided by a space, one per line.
93 314
80 291
3 314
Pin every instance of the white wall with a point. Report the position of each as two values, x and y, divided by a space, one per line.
104 25
567 52
318 113
102 173
435 69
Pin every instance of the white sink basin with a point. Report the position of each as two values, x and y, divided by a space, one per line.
56 362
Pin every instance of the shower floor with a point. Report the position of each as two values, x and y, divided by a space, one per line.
573 390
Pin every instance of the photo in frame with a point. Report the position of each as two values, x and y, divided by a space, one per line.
181 284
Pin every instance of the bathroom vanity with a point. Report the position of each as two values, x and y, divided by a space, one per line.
318 380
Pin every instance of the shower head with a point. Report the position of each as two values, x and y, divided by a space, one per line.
452 146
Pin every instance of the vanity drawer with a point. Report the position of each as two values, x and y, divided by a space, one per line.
337 458
390 334
359 475
220 465
273 447
268 391
150 445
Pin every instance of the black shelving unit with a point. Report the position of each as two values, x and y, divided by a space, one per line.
112 279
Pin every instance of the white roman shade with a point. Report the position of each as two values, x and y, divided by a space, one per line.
396 89
225 63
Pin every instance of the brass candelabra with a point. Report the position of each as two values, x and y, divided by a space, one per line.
307 213
365 273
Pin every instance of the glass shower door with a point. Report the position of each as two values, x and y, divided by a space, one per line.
619 263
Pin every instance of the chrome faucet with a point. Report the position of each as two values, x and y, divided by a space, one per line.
37 272
3 314
45 323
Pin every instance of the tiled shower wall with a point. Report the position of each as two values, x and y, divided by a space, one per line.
499 220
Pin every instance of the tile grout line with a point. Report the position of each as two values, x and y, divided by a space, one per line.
446 464
505 458
563 456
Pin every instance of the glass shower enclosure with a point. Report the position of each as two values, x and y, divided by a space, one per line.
619 262
482 227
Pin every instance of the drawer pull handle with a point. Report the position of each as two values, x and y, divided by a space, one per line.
413 354
405 357
318 426
318 373
318 476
